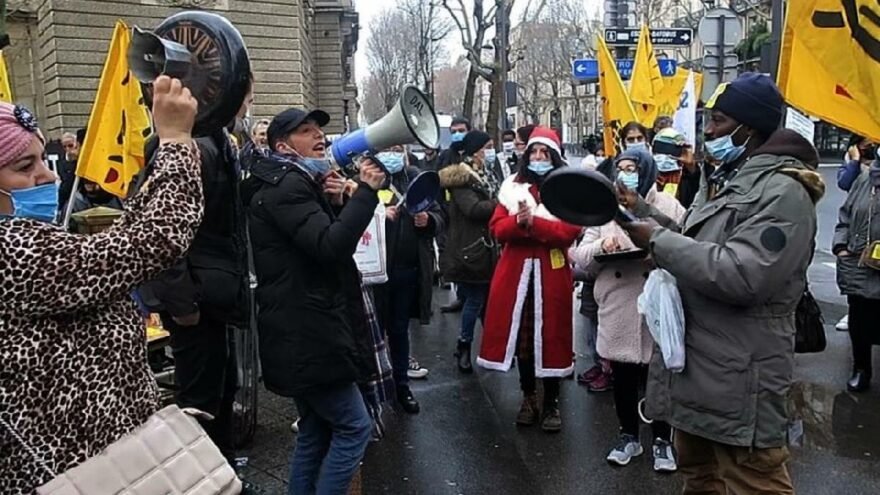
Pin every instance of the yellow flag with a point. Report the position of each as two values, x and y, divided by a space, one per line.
5 87
674 87
617 109
113 150
646 85
829 66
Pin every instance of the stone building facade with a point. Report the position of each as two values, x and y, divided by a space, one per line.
301 52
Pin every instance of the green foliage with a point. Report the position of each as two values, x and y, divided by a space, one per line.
750 46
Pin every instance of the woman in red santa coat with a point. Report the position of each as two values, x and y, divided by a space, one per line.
530 299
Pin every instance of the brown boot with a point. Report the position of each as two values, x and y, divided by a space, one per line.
528 411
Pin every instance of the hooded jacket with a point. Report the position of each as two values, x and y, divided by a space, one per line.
311 317
469 256
740 261
858 224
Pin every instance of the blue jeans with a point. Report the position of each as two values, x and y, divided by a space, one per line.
591 332
334 430
474 297
403 290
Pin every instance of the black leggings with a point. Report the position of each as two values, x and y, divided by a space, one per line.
528 382
862 328
629 379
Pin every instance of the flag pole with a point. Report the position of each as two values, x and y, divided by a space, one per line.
68 208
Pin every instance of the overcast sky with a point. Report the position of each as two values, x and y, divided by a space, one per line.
369 9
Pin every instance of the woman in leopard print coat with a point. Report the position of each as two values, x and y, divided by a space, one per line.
73 370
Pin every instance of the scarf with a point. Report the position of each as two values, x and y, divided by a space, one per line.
381 390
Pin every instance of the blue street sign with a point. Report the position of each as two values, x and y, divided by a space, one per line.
587 69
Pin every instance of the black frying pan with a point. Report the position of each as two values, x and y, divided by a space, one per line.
582 197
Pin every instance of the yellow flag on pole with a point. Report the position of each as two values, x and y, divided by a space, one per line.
829 65
646 85
113 150
617 109
674 87
5 86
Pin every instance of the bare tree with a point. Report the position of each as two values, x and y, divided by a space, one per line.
372 99
431 25
472 26
473 21
389 55
548 45
449 87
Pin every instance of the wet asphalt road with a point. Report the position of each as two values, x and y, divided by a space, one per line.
465 441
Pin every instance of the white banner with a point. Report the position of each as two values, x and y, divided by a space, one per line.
370 254
685 118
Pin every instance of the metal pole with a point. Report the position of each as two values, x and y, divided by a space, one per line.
777 17
503 63
68 209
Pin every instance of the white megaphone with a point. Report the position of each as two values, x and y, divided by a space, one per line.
411 120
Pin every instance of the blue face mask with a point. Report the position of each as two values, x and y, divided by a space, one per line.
540 167
318 167
629 179
666 163
489 156
392 160
38 203
642 146
457 137
723 149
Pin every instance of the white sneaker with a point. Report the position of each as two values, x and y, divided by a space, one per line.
294 427
843 324
627 447
415 370
664 457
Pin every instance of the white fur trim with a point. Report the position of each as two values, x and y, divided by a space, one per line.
512 192
540 370
521 292
546 142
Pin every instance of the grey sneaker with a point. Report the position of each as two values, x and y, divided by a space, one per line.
415 370
664 457
627 447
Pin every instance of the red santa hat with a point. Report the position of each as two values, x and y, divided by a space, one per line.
547 137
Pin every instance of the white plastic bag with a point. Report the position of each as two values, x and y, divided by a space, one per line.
370 255
660 303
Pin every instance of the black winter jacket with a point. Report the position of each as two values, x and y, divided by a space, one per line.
425 239
212 278
311 317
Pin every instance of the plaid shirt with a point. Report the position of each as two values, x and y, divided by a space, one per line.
380 390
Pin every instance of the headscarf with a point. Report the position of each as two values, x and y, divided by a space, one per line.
17 128
647 169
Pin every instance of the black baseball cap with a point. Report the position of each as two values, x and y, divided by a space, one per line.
287 121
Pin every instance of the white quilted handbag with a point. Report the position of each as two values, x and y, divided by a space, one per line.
170 454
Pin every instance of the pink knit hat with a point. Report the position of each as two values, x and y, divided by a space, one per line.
17 128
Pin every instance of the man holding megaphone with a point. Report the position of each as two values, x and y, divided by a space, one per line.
315 345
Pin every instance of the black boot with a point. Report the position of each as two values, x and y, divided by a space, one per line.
859 382
463 355
406 400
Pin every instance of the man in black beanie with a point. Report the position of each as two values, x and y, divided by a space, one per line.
740 261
